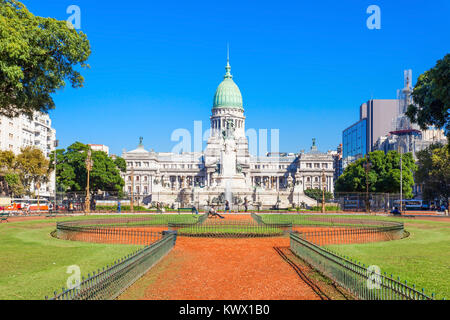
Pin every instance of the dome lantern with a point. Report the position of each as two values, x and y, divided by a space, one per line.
228 94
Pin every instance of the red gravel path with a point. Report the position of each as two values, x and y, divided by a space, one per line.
206 269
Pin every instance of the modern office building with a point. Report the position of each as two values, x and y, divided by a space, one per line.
354 142
379 114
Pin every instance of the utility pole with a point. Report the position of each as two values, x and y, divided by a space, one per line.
401 181
367 166
88 168
324 179
132 188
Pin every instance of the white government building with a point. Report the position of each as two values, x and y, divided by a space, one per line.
225 169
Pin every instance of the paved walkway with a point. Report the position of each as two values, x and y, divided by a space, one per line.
214 268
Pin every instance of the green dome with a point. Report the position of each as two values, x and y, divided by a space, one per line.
228 94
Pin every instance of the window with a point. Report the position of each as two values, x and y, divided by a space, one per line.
309 165
308 179
325 165
316 179
316 165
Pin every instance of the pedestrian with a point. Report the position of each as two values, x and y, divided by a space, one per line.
118 206
194 210
227 207
213 213
245 205
396 211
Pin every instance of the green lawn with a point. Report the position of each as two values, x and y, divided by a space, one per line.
153 220
33 264
320 220
229 230
422 259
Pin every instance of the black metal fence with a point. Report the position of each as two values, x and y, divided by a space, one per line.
223 228
363 282
362 202
110 282
351 236
315 220
121 230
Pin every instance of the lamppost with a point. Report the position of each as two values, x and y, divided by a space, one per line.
89 164
132 188
401 181
367 167
324 180
55 144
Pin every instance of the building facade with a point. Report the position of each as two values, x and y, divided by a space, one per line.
20 132
354 142
99 147
226 170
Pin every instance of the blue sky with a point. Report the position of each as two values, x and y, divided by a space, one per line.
303 67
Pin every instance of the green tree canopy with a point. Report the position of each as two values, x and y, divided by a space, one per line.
71 173
431 97
434 172
383 176
9 174
37 56
316 194
32 167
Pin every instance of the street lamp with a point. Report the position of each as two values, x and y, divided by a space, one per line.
324 180
367 167
55 144
401 181
89 164
132 188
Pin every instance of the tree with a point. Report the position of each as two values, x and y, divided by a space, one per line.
14 183
37 56
431 96
121 164
71 173
316 194
33 167
434 172
9 174
383 175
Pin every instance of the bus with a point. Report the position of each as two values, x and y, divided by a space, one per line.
413 205
28 205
